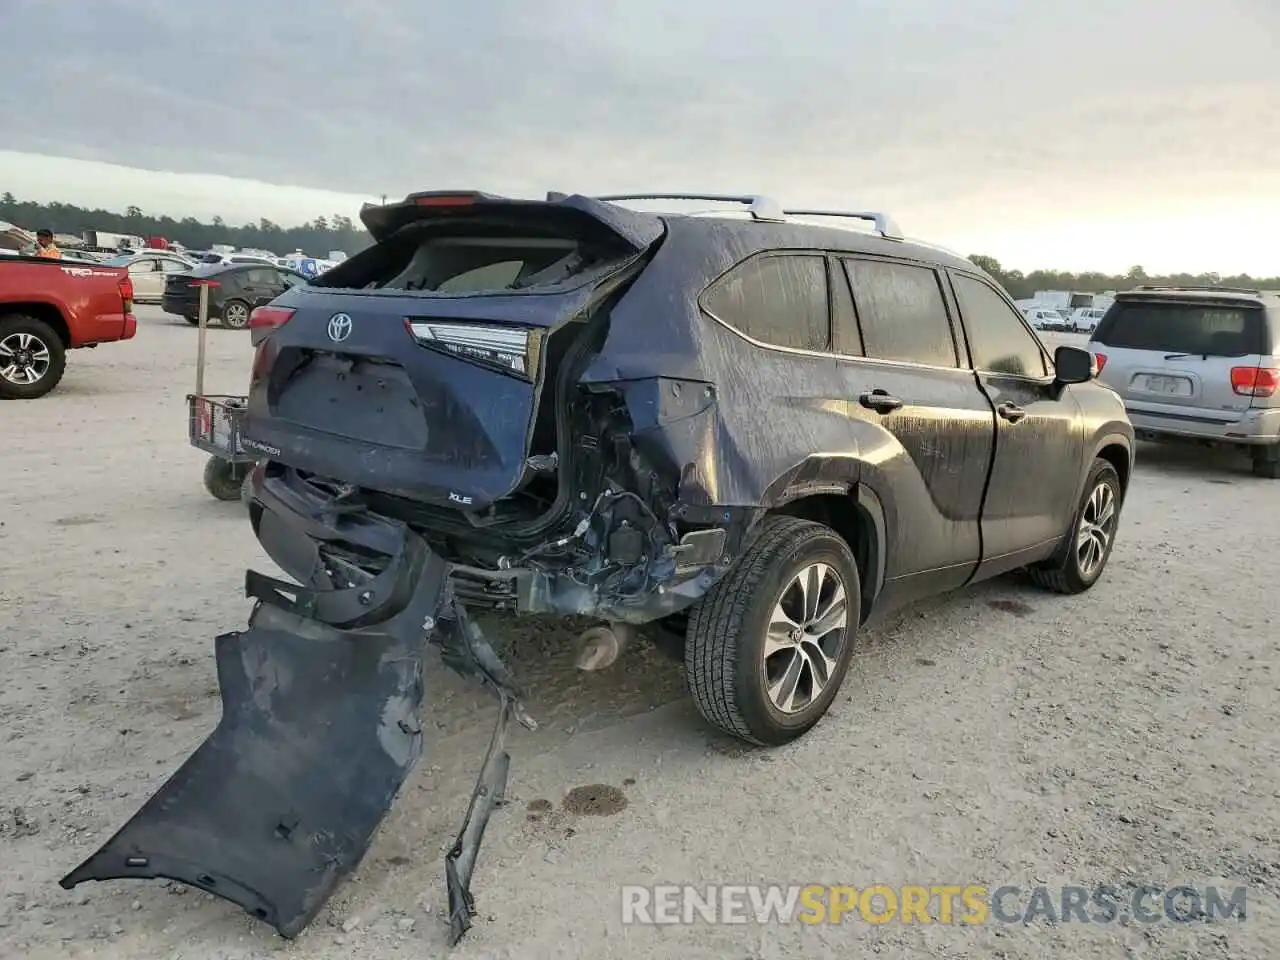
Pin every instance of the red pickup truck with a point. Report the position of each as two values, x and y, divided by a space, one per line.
48 307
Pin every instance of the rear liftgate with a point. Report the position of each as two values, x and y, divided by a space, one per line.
319 729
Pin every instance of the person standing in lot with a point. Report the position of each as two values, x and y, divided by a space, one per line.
45 246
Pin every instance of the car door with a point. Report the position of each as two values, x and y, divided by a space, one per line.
148 281
1032 495
929 449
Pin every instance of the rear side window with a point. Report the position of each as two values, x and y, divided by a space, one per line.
997 338
902 313
264 277
1170 326
778 300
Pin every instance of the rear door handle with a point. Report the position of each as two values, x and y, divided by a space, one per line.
1011 412
880 401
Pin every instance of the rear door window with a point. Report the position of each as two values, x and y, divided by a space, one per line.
902 313
846 337
1182 327
779 300
998 339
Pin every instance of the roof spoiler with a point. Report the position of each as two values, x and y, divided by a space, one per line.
639 230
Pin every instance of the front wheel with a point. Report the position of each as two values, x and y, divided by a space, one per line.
770 643
1092 536
235 314
32 358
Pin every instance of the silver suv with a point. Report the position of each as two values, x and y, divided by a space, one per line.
1197 363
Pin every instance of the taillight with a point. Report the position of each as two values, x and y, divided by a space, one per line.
126 292
1255 381
265 319
1099 361
204 283
514 349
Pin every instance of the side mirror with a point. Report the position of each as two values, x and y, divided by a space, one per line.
1072 365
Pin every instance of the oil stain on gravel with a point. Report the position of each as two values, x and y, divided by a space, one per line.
1016 607
595 800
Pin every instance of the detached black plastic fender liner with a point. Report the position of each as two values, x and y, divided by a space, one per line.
319 730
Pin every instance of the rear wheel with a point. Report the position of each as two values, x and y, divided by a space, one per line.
1092 537
32 358
224 479
235 314
769 645
1266 462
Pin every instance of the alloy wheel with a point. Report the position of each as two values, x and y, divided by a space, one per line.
235 315
806 633
1097 525
24 359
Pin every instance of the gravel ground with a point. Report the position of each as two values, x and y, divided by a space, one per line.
997 736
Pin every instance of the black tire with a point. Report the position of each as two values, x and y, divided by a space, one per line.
194 321
1070 573
235 314
1266 463
26 338
224 479
725 647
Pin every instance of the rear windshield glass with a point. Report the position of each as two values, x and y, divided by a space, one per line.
1211 329
481 261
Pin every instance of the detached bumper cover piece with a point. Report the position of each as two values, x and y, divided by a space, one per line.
319 729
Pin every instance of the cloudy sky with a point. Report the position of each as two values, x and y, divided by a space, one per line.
1091 134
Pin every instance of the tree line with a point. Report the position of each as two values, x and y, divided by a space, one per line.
316 237
1023 286
339 232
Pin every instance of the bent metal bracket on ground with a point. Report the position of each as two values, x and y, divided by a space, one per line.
319 729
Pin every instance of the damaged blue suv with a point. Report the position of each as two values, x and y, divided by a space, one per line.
755 427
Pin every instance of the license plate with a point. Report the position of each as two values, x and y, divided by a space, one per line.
1170 386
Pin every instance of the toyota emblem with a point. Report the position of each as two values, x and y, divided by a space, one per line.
339 327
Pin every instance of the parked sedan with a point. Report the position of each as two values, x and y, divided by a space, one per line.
82 256
149 269
234 290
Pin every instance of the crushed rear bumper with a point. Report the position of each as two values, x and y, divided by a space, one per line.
320 727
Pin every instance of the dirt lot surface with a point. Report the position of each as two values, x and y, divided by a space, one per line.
996 736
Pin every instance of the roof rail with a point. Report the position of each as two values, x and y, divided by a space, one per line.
1195 286
884 223
760 207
